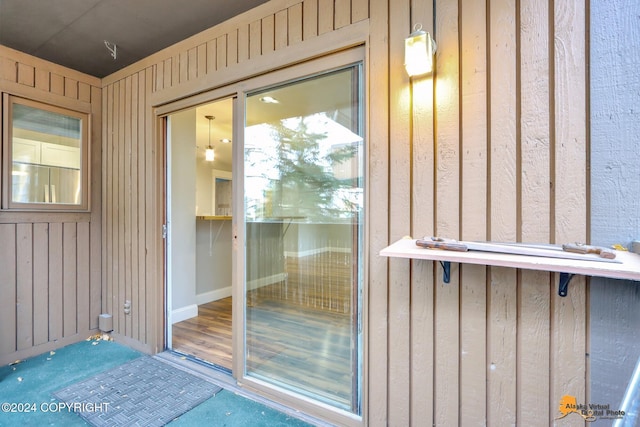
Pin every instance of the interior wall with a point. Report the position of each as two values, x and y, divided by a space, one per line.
213 237
205 186
493 146
204 204
213 260
199 249
615 191
51 296
181 218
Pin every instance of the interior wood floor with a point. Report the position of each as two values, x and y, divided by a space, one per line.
207 336
307 348
298 332
297 346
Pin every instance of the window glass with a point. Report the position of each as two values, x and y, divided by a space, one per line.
304 222
47 156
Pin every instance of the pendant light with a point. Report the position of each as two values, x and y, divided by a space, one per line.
209 154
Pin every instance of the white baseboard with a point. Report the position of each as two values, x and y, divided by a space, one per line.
266 281
190 311
184 313
316 251
213 295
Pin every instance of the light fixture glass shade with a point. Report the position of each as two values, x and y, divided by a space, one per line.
209 154
419 48
269 100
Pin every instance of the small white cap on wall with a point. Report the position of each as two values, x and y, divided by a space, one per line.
105 323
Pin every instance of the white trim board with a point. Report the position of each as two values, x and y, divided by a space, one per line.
191 311
184 313
266 281
213 295
309 252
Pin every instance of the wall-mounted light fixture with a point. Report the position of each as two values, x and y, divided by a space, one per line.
419 49
209 154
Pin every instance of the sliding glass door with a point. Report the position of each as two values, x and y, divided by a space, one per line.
303 228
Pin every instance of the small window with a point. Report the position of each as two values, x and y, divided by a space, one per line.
45 157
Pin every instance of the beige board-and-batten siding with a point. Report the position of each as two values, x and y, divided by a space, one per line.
494 147
133 153
50 262
498 152
482 152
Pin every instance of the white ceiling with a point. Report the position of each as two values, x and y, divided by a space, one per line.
72 32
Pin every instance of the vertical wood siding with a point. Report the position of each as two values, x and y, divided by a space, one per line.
130 226
502 210
132 175
50 262
493 148
376 306
495 138
47 294
260 33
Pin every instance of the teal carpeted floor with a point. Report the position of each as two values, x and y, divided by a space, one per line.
30 384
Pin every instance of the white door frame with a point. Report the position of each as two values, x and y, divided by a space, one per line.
238 91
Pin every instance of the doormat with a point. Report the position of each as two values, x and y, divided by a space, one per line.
142 392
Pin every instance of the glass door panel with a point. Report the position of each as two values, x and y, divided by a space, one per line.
304 209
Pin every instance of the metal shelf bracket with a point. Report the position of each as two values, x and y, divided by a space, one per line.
446 271
563 283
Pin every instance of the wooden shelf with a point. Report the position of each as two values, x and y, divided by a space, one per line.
626 267
214 217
